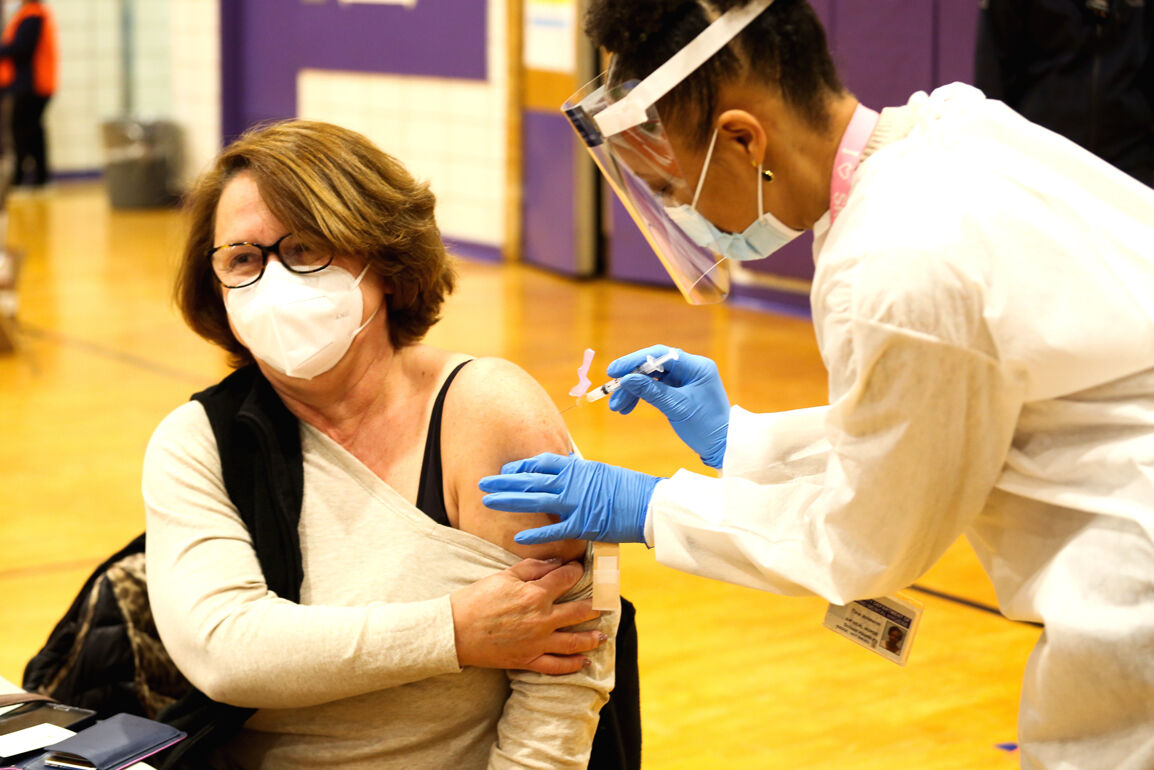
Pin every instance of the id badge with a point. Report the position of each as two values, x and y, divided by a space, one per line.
885 626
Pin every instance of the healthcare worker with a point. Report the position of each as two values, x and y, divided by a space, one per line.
984 302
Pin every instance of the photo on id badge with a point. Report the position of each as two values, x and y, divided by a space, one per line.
894 638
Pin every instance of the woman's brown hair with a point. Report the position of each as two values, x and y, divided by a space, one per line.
327 185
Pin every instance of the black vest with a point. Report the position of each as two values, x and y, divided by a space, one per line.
258 439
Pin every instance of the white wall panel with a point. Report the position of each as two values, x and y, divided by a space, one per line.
448 131
90 89
194 41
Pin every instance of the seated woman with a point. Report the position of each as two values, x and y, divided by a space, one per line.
419 639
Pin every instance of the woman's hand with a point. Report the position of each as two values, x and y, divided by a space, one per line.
510 620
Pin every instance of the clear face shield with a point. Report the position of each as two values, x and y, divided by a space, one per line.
620 127
640 166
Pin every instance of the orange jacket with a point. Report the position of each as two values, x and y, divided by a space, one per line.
43 58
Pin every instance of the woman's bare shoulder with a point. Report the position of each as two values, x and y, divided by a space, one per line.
496 413
498 391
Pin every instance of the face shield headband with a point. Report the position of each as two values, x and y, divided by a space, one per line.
621 129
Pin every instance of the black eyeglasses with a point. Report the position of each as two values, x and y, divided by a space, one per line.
242 264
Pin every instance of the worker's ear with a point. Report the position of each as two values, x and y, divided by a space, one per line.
742 132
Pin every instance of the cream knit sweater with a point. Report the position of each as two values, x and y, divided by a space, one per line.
363 672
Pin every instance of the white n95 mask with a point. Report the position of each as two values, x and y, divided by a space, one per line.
300 325
763 237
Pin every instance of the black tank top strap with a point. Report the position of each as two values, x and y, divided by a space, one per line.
431 490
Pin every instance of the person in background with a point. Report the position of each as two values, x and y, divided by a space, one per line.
28 56
1083 68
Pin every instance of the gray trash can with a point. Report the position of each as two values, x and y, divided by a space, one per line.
142 158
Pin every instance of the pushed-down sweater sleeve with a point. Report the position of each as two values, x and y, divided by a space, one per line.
228 633
548 721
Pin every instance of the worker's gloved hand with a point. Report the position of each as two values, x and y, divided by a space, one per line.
689 393
595 501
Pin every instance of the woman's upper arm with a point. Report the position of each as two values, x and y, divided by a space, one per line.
496 413
202 567
195 536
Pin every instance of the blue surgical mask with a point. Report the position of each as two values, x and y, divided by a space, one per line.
763 237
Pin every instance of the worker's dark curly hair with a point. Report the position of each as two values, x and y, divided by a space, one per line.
785 46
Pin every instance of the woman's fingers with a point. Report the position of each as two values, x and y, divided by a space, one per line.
573 613
510 619
528 570
564 651
557 583
556 665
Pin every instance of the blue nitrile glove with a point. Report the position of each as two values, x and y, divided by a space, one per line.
595 501
689 393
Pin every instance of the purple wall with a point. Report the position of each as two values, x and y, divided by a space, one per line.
264 43
955 33
549 227
625 238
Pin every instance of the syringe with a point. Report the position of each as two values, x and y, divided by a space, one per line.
650 366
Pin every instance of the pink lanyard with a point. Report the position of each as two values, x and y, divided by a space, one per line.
861 126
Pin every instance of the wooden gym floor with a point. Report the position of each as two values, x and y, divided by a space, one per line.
731 678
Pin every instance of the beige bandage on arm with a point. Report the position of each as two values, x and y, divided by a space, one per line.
606 575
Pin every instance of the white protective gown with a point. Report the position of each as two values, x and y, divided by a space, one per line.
985 307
